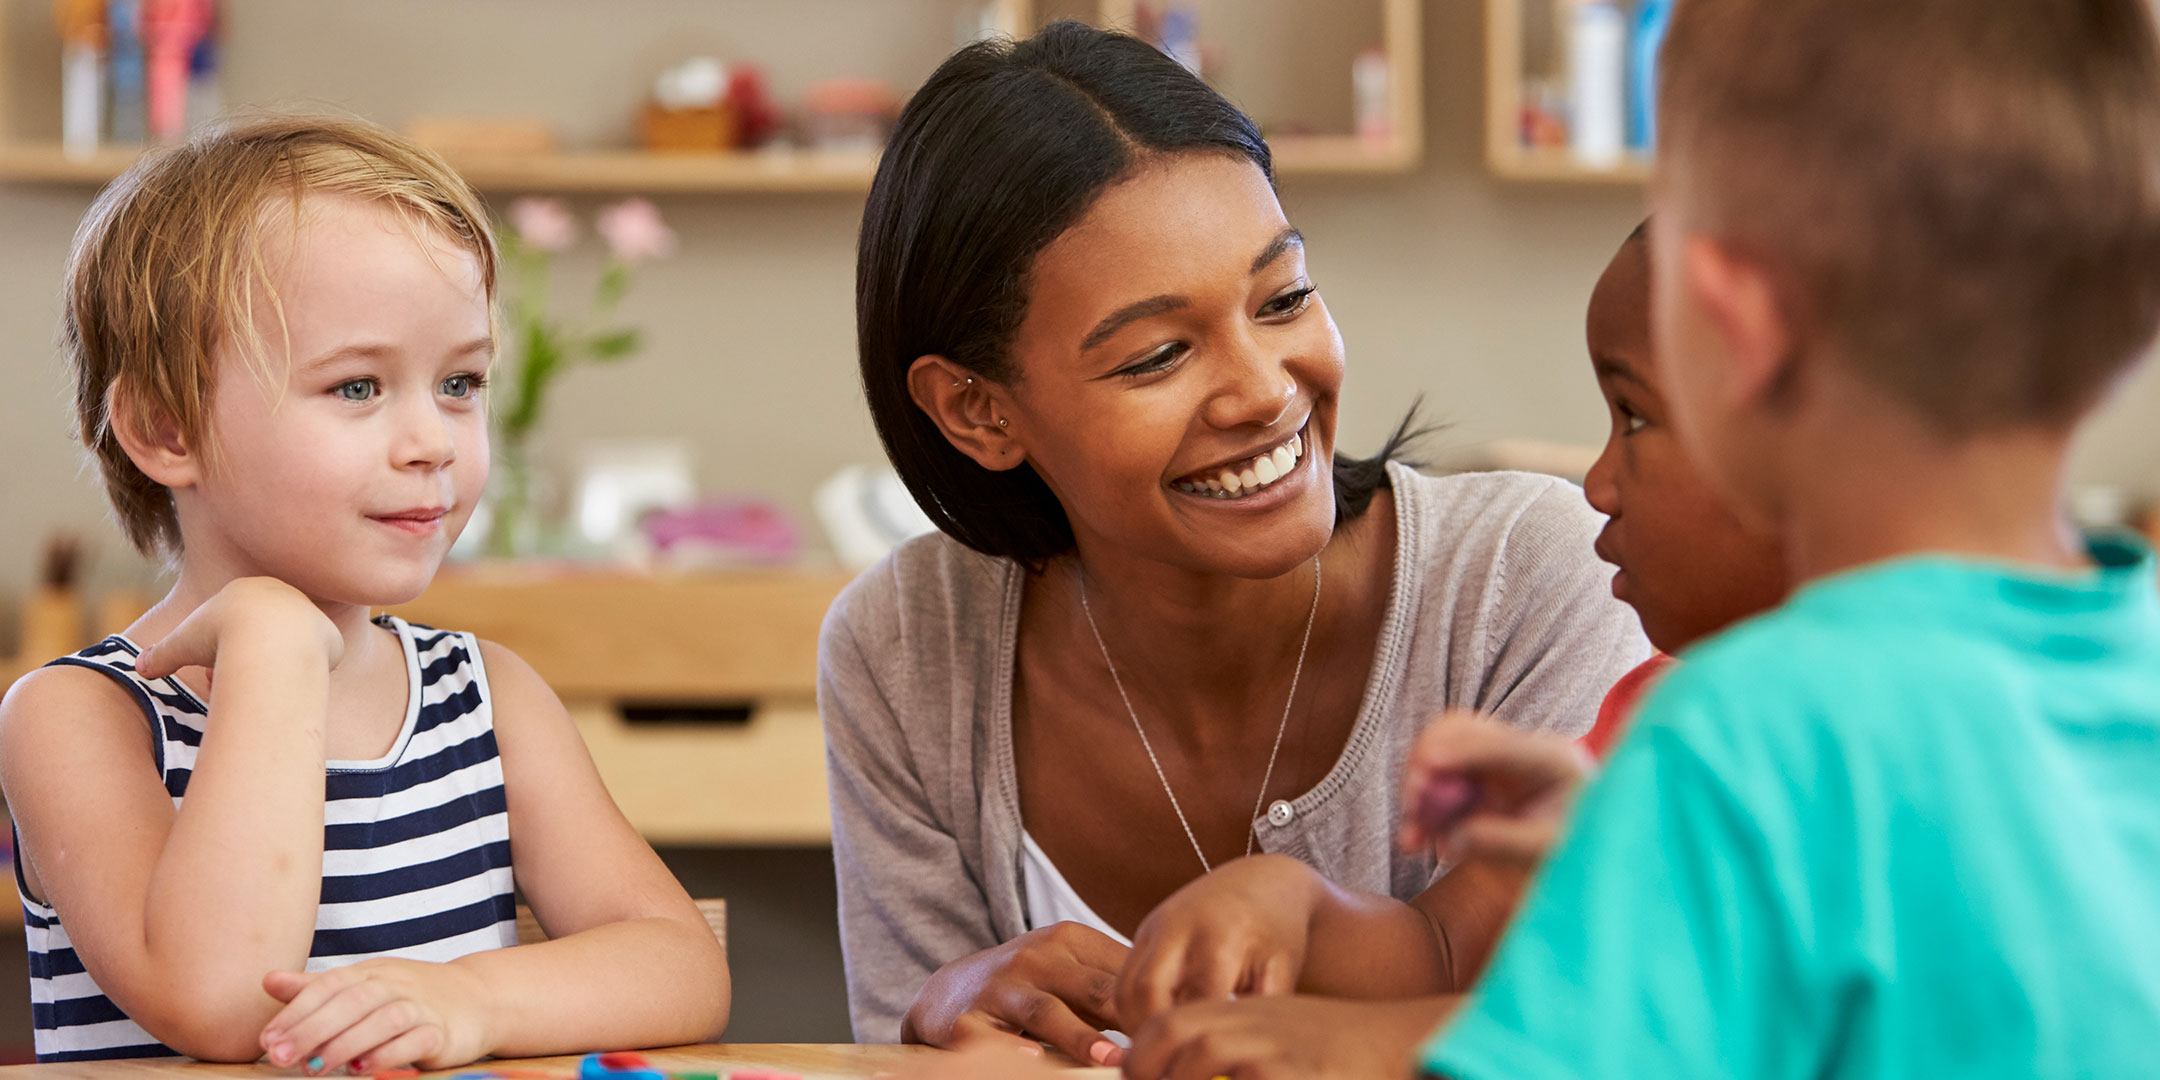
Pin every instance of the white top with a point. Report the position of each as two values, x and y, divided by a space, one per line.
1050 899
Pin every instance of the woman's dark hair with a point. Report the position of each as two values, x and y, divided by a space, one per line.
1005 148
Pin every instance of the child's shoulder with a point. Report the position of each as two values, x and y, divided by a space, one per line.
64 686
1794 685
75 701
511 684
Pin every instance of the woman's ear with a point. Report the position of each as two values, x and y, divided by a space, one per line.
970 410
151 438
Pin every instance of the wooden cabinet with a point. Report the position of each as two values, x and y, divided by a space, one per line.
696 693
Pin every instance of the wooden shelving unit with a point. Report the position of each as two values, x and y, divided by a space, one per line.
1403 39
807 172
1507 35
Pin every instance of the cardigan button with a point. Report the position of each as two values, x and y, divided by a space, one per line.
1281 813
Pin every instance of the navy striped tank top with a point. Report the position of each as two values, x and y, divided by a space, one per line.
416 844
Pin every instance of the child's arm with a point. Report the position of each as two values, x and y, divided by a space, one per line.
1288 1038
1270 924
629 963
176 914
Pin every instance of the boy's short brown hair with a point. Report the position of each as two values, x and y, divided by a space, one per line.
1961 196
168 264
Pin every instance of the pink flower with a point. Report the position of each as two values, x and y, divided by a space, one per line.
543 224
634 231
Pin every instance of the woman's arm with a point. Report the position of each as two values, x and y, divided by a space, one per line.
629 961
136 881
908 903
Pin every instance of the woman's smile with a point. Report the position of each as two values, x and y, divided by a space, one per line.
1268 478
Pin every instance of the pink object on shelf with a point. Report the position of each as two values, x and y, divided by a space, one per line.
740 531
171 30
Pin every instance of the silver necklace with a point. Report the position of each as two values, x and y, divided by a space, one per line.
1280 728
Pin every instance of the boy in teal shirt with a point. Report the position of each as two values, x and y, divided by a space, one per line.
1909 823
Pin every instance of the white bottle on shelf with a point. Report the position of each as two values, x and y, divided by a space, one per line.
1597 82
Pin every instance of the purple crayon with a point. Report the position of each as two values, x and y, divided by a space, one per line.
1445 801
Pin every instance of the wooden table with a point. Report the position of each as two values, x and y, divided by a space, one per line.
836 1062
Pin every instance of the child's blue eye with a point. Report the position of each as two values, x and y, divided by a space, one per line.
463 386
357 390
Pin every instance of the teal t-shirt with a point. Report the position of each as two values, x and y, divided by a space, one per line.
1907 825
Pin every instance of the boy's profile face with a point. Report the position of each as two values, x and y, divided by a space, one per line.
351 480
1685 564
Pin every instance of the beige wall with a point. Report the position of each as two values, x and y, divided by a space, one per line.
1444 282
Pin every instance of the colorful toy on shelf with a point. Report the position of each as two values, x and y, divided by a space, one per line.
1369 90
204 103
757 118
82 74
689 110
171 29
849 115
123 25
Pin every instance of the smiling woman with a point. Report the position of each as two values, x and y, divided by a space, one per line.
1166 625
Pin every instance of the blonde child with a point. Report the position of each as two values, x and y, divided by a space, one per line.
279 336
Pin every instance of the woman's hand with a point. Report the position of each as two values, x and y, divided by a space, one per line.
258 609
376 1015
1239 930
1054 985
1286 1038
1478 789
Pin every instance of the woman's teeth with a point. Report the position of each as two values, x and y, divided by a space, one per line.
1248 476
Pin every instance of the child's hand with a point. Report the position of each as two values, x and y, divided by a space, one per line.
260 608
1286 1038
1053 984
1488 791
376 1015
1239 930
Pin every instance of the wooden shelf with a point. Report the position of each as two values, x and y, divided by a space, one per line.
598 171
812 172
1507 31
786 172
46 163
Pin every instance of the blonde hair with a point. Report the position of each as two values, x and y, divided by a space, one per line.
1961 197
168 265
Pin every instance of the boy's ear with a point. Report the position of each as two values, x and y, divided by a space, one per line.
969 409
151 438
1743 306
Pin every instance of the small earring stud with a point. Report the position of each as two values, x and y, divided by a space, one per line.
1001 423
